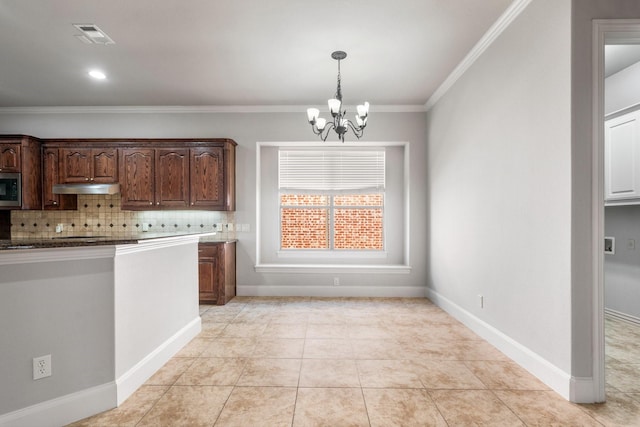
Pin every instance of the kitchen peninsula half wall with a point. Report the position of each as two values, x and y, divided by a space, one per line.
107 319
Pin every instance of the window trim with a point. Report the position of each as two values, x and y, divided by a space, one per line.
401 268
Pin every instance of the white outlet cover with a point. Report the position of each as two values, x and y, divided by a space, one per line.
41 367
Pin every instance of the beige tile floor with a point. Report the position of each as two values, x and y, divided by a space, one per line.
360 362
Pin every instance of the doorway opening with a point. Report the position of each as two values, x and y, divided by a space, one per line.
609 36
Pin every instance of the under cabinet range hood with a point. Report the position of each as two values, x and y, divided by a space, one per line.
86 188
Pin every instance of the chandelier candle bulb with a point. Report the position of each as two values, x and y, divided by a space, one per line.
334 106
312 114
363 110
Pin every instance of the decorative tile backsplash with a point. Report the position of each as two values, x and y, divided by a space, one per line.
100 215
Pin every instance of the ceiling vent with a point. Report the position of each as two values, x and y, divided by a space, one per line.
91 34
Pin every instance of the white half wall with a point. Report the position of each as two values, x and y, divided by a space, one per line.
65 309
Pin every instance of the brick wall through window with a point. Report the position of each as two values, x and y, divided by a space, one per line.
306 221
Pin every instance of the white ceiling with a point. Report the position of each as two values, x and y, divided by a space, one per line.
235 52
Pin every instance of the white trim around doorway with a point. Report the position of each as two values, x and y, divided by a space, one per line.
604 31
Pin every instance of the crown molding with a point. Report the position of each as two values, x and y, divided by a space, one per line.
199 109
509 15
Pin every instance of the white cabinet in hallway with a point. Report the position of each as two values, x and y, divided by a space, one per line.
622 159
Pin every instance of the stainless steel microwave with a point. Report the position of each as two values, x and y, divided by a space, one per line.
10 190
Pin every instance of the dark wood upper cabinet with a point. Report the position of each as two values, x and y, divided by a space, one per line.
10 159
172 178
99 165
176 174
207 178
22 154
137 178
51 176
197 175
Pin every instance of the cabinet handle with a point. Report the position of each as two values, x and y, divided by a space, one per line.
91 179
191 203
157 203
55 203
150 203
86 179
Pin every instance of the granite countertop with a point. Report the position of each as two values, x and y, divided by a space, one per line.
75 241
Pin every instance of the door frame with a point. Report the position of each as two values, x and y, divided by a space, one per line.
605 31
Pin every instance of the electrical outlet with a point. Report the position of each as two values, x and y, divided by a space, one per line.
631 244
145 226
336 281
41 367
481 301
59 228
230 227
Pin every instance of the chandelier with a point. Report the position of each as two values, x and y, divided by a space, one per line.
340 123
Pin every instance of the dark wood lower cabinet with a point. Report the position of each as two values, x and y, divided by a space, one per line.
217 272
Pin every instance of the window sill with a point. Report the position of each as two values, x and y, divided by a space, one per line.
327 254
332 268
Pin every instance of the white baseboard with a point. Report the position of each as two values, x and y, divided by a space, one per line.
332 291
64 409
85 403
622 316
131 380
580 390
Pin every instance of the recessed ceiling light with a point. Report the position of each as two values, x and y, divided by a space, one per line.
97 74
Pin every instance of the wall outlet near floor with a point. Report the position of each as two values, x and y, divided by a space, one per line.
631 244
41 367
145 226
59 228
336 281
481 301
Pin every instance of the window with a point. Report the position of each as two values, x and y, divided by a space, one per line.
331 200
382 190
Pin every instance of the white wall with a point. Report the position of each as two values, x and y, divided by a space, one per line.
500 193
622 89
64 309
246 129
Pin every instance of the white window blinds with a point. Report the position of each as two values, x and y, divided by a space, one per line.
331 170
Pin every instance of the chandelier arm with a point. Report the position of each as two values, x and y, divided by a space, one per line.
315 129
357 131
326 130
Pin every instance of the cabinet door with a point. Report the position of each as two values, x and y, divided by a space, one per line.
208 273
10 160
137 185
172 178
50 176
104 165
207 178
622 157
76 165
